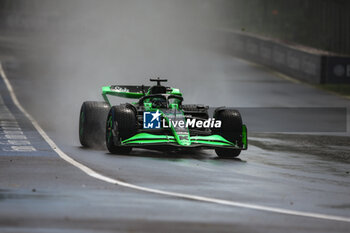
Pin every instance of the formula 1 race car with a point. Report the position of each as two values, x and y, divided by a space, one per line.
158 120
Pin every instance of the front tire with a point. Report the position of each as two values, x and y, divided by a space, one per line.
92 123
227 153
231 130
121 124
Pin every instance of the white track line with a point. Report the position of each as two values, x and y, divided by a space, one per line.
99 176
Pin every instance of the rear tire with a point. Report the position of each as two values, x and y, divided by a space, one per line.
231 130
121 124
92 123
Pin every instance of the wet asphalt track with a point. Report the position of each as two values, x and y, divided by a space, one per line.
42 193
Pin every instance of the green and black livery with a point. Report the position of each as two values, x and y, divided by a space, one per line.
120 127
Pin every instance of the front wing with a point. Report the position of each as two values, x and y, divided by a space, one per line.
211 141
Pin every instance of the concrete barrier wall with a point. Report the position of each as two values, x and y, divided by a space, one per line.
313 67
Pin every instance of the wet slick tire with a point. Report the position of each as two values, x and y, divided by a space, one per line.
227 153
92 121
121 124
231 130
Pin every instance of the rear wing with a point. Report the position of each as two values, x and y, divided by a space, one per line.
133 92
